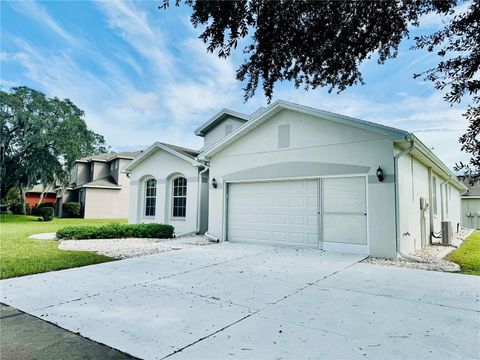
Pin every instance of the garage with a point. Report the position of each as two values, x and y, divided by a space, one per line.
326 213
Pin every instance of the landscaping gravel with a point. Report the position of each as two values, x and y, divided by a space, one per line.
432 259
118 248
132 247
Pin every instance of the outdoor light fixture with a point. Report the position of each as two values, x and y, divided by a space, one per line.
380 174
214 183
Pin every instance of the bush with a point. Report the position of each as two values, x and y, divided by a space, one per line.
71 209
37 209
46 213
114 231
13 200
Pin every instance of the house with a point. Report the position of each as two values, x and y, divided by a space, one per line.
471 205
33 196
298 176
99 185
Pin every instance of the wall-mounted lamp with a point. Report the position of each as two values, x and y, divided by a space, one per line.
380 174
214 183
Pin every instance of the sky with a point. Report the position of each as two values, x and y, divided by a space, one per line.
141 74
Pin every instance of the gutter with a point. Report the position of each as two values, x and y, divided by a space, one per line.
397 200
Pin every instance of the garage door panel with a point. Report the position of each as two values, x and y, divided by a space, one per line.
344 193
341 228
286 216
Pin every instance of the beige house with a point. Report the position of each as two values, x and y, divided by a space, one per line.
99 185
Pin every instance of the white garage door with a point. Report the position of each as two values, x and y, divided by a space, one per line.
283 212
344 211
289 212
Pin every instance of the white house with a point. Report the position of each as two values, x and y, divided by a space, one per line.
298 176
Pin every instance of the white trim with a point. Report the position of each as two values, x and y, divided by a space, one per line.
218 116
148 151
98 187
296 178
280 105
172 196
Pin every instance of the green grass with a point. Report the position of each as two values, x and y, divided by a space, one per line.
468 255
22 256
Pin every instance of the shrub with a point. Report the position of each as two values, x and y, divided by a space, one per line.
13 200
46 213
37 209
71 209
113 231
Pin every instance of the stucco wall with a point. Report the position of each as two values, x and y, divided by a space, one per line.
105 203
414 183
319 141
164 167
218 132
472 207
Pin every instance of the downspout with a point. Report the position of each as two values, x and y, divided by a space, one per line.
441 195
397 200
199 199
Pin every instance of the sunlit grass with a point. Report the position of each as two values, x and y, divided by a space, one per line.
22 256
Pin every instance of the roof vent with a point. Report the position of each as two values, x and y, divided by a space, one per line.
284 136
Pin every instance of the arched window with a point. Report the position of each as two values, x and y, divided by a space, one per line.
179 197
150 196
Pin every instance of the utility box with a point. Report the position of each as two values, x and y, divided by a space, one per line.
447 233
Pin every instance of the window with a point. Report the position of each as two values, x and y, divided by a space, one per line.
179 198
228 129
284 136
434 195
150 197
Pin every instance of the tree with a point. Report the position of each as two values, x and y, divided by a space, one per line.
322 44
40 139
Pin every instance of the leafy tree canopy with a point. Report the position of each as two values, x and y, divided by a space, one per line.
323 43
41 138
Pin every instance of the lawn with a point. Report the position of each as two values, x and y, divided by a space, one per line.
468 255
22 256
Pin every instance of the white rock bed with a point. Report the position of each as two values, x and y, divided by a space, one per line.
432 259
131 247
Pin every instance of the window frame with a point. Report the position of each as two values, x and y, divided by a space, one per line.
434 196
173 197
146 197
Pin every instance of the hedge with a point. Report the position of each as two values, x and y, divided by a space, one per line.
114 231
71 209
46 213
37 209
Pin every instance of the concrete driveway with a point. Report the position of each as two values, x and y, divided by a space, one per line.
244 301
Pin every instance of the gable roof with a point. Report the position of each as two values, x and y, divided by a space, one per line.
183 153
263 115
217 118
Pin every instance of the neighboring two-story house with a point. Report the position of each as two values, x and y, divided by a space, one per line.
99 185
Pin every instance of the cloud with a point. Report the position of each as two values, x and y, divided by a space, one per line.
167 89
38 13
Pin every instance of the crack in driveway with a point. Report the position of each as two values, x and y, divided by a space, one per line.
260 310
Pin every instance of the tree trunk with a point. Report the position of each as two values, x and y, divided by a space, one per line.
22 200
